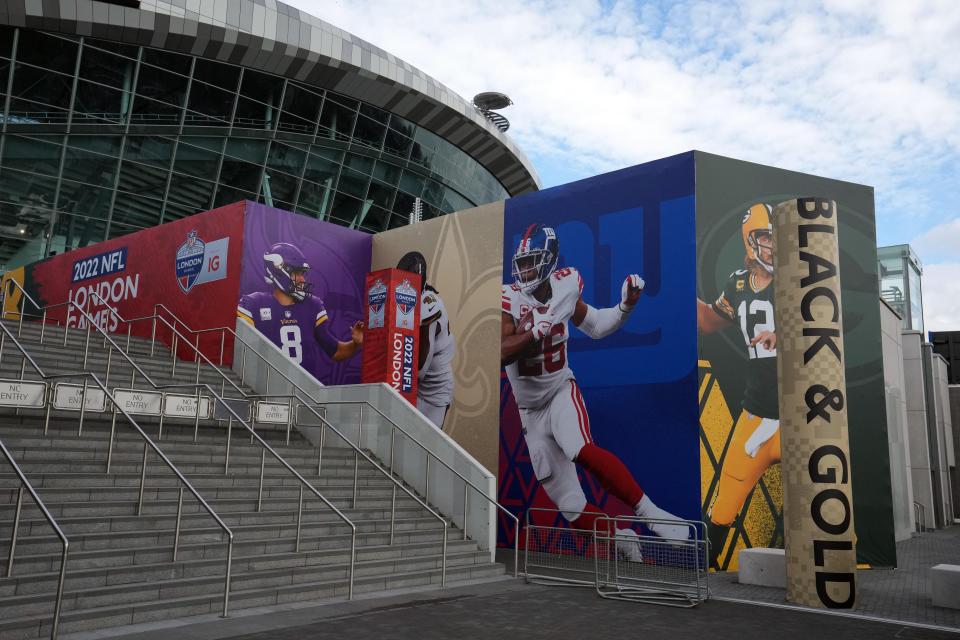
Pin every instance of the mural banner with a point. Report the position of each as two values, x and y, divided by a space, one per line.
818 500
599 351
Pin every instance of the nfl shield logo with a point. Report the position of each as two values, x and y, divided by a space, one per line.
376 303
406 298
189 261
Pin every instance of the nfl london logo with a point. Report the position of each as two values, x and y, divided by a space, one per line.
189 261
406 297
376 302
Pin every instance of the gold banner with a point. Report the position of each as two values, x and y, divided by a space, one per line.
818 499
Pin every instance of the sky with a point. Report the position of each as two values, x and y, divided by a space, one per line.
866 91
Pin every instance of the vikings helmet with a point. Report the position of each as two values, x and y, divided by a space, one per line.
280 262
536 257
755 223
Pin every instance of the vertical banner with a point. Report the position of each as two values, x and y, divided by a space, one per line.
818 499
391 338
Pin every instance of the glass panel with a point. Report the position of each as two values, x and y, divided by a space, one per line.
150 150
326 152
286 158
412 183
402 125
376 220
122 50
369 132
402 206
244 175
374 113
166 60
301 108
381 194
47 51
257 108
6 41
453 201
118 229
44 90
345 209
195 159
320 169
363 164
336 121
315 198
397 144
33 155
209 106
916 300
28 202
189 194
433 192
389 173
78 231
133 211
353 183
143 180
217 74
98 104
82 199
422 155
92 160
165 92
283 187
228 195
106 68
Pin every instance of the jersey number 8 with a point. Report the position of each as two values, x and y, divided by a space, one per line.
290 342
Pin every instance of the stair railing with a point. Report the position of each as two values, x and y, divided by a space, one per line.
25 484
394 425
89 377
136 369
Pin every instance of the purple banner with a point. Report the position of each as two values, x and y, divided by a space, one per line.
330 303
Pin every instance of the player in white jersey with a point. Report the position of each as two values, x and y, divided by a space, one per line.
536 309
437 346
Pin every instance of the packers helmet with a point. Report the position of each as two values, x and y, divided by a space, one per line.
756 222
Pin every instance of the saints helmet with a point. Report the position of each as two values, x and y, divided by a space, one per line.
536 257
414 262
756 222
280 262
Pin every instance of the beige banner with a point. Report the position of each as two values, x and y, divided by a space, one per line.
464 256
818 499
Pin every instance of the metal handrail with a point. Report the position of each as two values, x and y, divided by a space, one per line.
198 387
395 426
920 516
148 444
358 452
53 523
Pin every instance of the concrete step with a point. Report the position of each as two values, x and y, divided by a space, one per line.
29 594
117 615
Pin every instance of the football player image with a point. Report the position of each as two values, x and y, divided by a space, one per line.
747 301
291 316
536 311
437 346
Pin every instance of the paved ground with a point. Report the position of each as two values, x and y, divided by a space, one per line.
511 608
899 594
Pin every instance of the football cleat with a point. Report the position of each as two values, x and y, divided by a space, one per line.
756 224
662 527
536 257
280 263
628 545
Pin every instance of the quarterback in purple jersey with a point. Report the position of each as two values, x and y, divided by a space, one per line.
290 316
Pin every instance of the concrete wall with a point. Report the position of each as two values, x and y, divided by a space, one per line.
940 434
954 393
893 381
917 440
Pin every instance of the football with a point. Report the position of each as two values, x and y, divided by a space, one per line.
524 324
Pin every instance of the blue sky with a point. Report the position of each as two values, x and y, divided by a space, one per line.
861 90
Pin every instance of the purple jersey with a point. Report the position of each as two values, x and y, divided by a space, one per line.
298 329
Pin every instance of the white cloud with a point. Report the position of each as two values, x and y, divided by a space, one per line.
941 297
940 243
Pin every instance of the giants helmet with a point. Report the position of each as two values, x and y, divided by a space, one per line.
538 252
755 223
280 262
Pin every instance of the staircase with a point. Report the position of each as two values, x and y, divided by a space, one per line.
121 569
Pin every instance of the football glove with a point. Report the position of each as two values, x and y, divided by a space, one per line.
542 323
630 292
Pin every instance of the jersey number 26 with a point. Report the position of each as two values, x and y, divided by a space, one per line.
553 358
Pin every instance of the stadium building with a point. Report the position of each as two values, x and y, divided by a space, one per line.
119 116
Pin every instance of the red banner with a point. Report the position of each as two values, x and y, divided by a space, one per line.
191 266
391 339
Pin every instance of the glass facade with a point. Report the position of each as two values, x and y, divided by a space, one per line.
100 139
900 286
